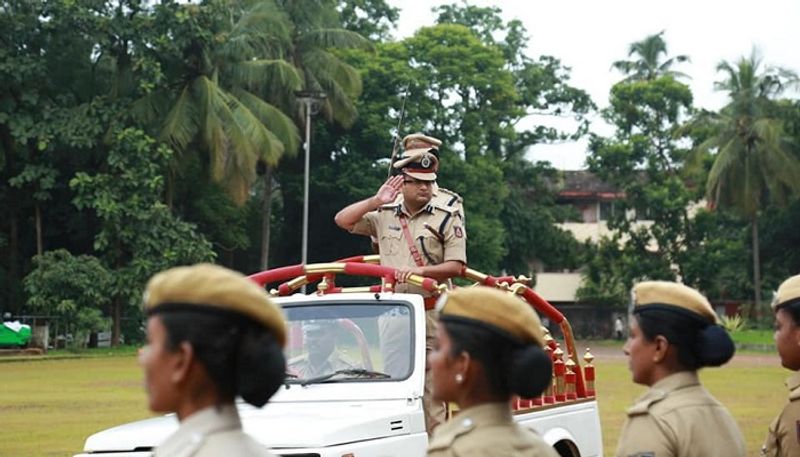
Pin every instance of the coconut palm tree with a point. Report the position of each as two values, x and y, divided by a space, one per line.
316 31
648 64
753 165
222 105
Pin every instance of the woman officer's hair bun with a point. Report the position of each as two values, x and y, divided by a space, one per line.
531 371
714 346
260 366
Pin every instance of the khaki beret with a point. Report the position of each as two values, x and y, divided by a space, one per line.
672 294
788 292
213 286
420 140
418 163
499 309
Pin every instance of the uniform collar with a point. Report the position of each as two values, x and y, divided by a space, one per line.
486 413
677 381
401 209
468 419
194 429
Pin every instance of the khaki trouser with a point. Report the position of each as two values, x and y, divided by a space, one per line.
394 336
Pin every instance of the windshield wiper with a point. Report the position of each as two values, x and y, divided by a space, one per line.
359 372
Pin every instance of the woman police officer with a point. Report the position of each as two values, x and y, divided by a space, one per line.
489 347
673 333
212 335
783 439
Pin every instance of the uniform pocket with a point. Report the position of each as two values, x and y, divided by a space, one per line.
390 242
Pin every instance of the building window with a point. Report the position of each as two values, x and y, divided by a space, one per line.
607 210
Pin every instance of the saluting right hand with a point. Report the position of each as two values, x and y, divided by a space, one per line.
389 190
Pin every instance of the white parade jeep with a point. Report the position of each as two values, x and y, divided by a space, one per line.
344 398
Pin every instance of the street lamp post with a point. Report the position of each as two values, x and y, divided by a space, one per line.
312 101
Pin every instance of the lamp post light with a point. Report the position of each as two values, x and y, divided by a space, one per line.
312 102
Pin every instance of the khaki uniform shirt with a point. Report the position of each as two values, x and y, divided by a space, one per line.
211 432
303 368
486 430
783 439
384 224
677 417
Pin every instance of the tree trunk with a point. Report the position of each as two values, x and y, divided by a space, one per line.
169 189
756 268
116 315
13 262
266 218
39 246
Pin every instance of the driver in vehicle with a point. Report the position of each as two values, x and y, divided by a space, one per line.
322 356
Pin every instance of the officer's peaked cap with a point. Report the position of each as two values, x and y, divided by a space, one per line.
493 308
788 293
671 295
419 164
420 140
212 287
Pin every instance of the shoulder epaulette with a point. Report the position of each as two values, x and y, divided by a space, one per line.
455 198
643 405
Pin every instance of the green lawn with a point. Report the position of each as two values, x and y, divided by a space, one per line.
49 407
761 337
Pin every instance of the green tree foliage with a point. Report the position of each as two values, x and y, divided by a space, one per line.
72 289
138 235
644 160
753 164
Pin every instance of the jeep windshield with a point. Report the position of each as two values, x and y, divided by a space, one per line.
338 341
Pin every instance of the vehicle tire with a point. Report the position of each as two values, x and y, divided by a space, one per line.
567 448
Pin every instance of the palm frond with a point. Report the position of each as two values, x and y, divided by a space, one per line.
274 119
260 75
264 144
325 65
333 38
182 122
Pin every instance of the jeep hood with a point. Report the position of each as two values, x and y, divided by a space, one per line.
280 426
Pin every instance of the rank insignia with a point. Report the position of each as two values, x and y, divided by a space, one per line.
394 227
458 232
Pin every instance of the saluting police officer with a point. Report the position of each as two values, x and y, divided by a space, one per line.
415 236
212 335
674 333
783 439
489 347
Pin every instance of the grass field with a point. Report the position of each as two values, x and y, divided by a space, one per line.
49 407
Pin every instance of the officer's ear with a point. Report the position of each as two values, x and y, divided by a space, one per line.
661 347
182 362
462 362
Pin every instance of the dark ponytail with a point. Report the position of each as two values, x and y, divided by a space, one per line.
260 366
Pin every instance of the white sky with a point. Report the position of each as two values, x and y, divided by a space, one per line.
589 35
